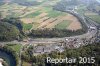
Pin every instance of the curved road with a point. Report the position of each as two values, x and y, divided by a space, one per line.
91 33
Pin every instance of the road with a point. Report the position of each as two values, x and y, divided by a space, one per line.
90 33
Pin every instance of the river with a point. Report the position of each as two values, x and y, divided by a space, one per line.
8 58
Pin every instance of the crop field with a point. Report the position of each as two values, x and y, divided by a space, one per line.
63 25
27 26
93 16
41 16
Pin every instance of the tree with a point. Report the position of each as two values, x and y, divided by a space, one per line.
0 16
8 32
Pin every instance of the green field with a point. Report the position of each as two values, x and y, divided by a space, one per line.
15 47
37 16
54 14
32 15
93 15
27 26
95 18
46 9
63 25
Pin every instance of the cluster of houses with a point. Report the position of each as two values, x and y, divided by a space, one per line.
60 47
41 49
74 42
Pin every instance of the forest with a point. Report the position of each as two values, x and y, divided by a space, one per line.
10 29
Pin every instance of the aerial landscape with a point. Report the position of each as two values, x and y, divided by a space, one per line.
49 32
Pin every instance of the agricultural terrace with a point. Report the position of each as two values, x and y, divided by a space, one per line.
41 16
49 18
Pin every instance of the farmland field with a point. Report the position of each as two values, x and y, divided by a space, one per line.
40 16
93 16
32 15
27 26
63 24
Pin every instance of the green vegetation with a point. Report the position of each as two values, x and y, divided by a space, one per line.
27 26
11 29
13 14
50 33
95 18
32 15
15 47
81 9
92 50
12 54
63 25
47 9
14 21
26 2
8 32
55 13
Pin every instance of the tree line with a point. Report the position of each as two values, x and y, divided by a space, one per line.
10 29
10 52
50 33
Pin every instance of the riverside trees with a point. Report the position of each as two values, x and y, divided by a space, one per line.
10 29
50 33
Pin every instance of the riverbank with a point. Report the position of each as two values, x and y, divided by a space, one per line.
8 57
